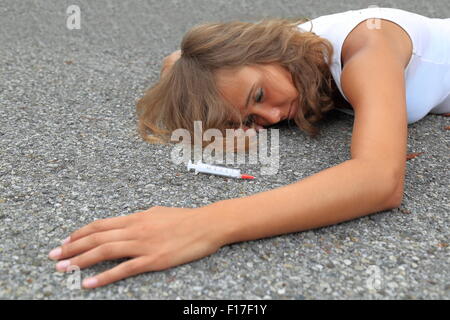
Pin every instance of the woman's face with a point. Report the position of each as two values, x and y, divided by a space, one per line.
268 89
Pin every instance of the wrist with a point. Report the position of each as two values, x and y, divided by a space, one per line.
214 219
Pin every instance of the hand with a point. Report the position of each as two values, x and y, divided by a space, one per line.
156 239
169 60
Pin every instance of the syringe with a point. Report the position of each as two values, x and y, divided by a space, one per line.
221 171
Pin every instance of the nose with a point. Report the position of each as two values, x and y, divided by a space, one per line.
269 114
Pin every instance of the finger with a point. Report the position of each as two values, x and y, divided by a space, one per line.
91 241
126 269
104 252
101 225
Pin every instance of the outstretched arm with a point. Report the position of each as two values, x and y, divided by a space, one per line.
349 190
373 180
164 237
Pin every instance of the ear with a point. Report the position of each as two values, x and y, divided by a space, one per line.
169 60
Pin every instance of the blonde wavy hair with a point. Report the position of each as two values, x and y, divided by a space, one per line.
188 91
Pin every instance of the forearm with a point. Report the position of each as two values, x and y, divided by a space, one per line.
343 192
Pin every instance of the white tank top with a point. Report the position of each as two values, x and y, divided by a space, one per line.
427 74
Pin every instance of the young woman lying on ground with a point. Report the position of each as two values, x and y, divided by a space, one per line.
393 68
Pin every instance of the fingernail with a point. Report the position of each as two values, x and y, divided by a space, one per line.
62 265
55 253
66 240
90 282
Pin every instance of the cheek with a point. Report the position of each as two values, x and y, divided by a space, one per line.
285 94
284 88
286 83
293 92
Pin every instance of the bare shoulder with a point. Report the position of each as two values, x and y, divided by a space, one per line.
370 33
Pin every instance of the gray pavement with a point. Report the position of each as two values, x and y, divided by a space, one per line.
70 154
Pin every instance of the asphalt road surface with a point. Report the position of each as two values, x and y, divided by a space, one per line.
70 154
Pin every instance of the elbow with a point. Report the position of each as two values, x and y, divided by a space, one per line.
389 183
395 194
392 180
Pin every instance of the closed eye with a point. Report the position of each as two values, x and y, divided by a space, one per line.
259 95
258 98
